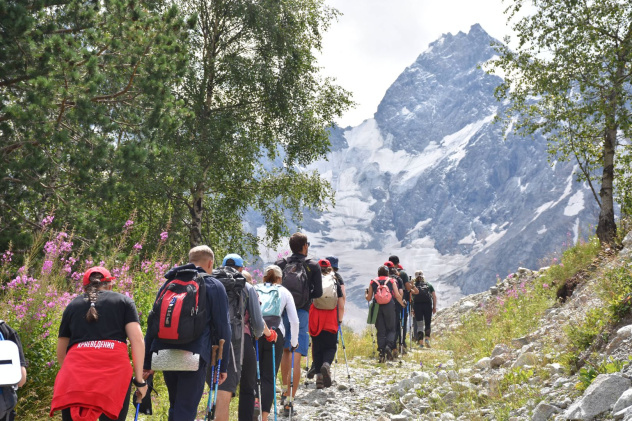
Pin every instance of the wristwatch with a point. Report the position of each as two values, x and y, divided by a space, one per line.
138 384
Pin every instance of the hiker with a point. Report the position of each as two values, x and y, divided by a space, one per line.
246 323
94 329
8 393
325 317
275 300
402 313
301 276
384 290
248 277
424 306
397 308
184 360
334 265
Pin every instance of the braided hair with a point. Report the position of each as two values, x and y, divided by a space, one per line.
91 296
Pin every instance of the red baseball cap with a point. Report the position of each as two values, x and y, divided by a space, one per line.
107 277
389 264
324 263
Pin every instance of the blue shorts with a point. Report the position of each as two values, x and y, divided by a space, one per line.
303 337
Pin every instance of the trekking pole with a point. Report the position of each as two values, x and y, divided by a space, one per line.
410 324
210 391
401 333
219 366
344 349
258 379
274 381
137 411
291 384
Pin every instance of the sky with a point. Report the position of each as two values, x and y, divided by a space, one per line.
375 40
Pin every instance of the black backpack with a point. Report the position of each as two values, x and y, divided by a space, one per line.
234 283
179 313
296 280
424 296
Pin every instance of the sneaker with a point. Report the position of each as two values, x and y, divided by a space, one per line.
283 398
319 381
312 372
257 410
427 341
326 373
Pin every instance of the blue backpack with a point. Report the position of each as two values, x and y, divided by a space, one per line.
270 299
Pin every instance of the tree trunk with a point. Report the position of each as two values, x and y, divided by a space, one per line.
607 228
195 231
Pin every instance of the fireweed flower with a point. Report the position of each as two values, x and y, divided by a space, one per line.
138 246
164 235
128 224
47 221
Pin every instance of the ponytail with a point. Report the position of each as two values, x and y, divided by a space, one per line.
269 277
91 295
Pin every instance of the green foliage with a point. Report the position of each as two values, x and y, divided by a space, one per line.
574 58
573 260
591 371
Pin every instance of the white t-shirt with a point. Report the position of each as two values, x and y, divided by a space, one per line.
287 304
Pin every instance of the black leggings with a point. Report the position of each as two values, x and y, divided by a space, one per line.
324 348
386 326
423 312
65 413
265 368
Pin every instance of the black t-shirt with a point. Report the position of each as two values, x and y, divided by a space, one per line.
10 334
115 311
339 278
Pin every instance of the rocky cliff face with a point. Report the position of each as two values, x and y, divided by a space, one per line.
432 179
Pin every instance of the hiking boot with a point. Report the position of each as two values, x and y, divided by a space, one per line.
388 353
286 410
382 357
394 353
312 372
319 381
427 341
404 351
283 398
326 373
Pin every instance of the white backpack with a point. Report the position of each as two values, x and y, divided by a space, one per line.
329 299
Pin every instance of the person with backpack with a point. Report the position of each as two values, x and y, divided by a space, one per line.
275 301
190 312
424 306
334 265
397 308
302 277
384 291
94 329
246 323
325 316
8 392
402 313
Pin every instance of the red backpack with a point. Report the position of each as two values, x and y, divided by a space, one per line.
383 293
179 312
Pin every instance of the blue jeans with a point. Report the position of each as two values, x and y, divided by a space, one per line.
185 391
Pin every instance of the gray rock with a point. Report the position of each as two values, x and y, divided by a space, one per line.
467 305
520 342
391 408
622 335
555 368
453 376
526 358
499 350
450 397
498 361
624 401
600 396
399 417
543 411
406 384
483 363
342 387
624 414
493 290
442 377
446 416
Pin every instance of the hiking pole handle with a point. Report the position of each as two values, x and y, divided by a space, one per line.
219 366
214 355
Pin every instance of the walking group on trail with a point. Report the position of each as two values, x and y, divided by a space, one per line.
212 326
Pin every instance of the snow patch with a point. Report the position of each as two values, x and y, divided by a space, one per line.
470 239
542 230
575 204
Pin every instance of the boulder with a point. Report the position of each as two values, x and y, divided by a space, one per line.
600 396
498 361
520 342
483 364
623 334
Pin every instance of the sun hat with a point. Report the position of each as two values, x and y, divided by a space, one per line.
333 260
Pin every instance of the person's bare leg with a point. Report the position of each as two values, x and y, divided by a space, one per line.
297 372
222 410
286 364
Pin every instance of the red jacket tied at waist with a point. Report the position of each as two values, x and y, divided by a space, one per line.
320 320
93 380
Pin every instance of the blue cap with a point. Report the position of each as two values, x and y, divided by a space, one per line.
233 260
333 260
